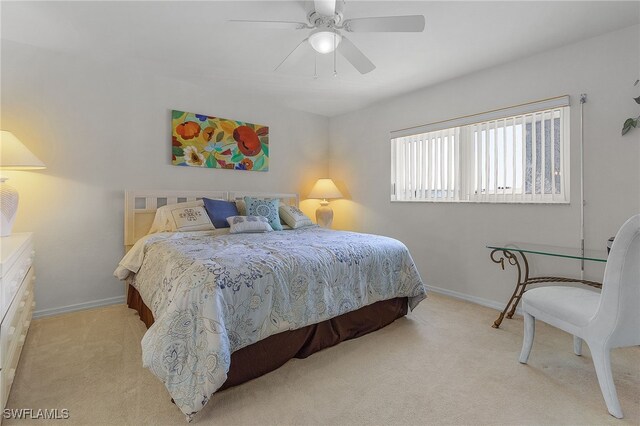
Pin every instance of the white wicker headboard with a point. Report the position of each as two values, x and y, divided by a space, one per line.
140 206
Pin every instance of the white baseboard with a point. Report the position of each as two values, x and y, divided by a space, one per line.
498 306
79 306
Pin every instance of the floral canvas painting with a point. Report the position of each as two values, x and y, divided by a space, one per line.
205 141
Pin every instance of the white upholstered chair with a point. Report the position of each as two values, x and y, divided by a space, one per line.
605 320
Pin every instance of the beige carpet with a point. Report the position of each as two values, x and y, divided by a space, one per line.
443 364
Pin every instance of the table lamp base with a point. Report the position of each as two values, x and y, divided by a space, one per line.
8 207
324 215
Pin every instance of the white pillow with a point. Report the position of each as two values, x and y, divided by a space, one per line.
191 219
248 224
165 222
293 216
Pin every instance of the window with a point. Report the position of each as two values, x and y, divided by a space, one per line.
514 155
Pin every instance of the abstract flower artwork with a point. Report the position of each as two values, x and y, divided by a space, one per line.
205 141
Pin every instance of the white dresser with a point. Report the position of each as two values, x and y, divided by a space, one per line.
17 279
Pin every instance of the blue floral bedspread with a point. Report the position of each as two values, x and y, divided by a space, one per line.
213 294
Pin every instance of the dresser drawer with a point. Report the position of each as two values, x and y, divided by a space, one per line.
13 278
13 332
18 315
17 278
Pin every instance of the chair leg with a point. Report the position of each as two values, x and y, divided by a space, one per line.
602 362
527 341
577 345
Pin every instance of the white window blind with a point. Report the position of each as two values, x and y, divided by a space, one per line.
515 158
425 165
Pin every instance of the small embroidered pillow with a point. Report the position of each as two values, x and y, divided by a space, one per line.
293 216
191 219
248 224
264 207
163 221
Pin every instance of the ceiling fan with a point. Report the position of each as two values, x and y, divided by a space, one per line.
327 25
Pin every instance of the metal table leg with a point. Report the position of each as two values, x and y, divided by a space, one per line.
523 280
521 283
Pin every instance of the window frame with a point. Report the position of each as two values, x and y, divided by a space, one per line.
464 166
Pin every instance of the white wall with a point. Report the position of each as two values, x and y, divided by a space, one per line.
447 240
103 128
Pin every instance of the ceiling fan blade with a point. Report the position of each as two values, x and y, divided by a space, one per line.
325 7
352 54
295 54
387 24
274 25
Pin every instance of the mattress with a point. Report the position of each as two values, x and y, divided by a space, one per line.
213 293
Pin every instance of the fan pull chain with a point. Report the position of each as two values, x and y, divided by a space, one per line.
335 72
315 66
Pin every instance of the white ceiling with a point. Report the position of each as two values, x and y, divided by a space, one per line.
190 41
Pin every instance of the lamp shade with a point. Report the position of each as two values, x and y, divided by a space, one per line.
15 156
324 189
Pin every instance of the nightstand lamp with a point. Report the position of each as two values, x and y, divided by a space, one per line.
13 156
324 189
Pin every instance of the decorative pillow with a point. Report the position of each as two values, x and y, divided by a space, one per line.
294 217
242 211
248 224
242 207
219 211
191 218
266 208
163 221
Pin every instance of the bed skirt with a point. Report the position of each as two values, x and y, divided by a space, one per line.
271 353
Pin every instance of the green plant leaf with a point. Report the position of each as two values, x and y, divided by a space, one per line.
176 114
178 152
265 149
211 161
629 124
219 136
259 163
237 157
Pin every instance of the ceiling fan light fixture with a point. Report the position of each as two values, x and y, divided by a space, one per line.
325 41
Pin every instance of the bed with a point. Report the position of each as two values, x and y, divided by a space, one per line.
225 308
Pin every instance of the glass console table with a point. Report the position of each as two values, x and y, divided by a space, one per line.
514 253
